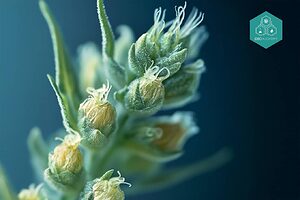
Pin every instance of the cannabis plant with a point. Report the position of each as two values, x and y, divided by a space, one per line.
109 105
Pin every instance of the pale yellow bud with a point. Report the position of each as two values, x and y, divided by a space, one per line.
67 156
105 190
146 94
109 189
97 110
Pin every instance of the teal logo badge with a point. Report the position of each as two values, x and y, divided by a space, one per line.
265 30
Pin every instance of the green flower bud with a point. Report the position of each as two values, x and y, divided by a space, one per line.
145 95
105 188
166 47
163 137
96 116
175 131
65 163
32 193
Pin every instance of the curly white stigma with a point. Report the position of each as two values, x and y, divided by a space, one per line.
100 94
159 21
114 181
97 109
159 15
154 73
176 25
180 14
119 180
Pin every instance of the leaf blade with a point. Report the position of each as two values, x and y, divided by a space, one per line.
38 151
6 191
65 76
167 178
68 121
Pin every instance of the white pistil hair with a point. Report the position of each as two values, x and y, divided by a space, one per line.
100 94
153 73
180 14
159 21
194 19
98 97
119 180
159 15
114 181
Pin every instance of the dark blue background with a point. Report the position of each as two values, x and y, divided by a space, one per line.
249 95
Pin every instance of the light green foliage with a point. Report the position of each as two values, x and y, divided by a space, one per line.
108 108
6 191
65 84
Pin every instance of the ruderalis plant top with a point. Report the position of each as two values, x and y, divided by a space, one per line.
110 101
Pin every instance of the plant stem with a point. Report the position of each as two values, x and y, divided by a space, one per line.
69 195
99 166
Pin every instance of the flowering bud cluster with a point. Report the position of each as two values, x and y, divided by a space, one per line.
158 71
158 56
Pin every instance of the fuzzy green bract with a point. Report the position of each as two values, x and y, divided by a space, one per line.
110 101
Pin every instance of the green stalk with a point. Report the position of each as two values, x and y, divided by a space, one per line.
99 166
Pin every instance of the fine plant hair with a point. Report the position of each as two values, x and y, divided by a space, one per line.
110 102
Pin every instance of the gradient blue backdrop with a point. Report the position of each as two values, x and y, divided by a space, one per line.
249 95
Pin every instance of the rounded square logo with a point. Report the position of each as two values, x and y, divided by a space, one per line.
265 29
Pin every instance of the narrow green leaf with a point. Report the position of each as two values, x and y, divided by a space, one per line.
107 175
178 57
38 151
107 33
65 76
5 190
167 178
68 120
181 88
139 57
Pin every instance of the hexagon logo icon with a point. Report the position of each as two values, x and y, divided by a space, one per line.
265 29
